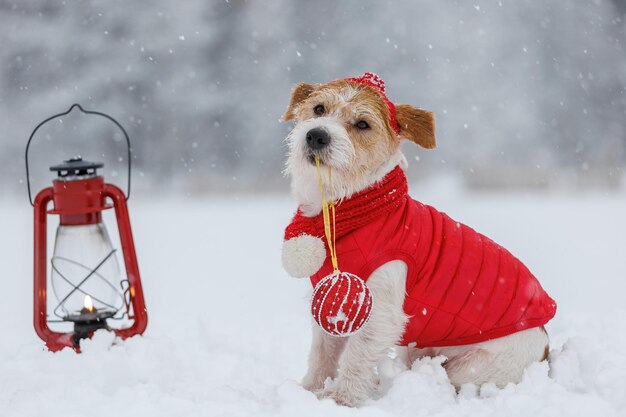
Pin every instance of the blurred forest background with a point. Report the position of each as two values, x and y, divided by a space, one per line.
527 94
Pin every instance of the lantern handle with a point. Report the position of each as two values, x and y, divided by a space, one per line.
97 113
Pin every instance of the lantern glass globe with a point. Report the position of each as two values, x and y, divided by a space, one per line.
84 264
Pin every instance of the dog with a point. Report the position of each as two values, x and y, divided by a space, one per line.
438 287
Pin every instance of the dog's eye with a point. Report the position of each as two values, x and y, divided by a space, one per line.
319 109
362 125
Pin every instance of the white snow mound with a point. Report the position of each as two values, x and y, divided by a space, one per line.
228 332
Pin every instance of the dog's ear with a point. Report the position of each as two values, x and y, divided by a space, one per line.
416 125
299 93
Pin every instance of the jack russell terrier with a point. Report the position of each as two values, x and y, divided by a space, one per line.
438 286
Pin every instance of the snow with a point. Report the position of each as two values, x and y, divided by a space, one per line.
228 331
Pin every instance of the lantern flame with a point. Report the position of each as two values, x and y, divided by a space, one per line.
88 303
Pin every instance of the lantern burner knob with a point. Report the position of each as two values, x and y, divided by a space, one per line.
76 167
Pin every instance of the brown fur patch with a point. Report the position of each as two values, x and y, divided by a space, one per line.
349 103
299 93
366 105
417 125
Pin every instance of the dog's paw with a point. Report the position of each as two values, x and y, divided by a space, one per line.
303 255
347 392
313 383
343 397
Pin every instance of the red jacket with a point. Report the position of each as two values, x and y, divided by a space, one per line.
461 287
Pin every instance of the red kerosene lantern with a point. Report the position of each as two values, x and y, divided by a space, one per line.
89 291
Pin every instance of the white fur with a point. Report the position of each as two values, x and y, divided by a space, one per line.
351 361
304 182
303 255
356 356
500 361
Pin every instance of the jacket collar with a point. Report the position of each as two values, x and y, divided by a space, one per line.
358 210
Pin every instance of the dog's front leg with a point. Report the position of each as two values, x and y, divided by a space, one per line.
323 359
364 350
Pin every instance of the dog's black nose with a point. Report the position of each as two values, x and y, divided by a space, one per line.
317 138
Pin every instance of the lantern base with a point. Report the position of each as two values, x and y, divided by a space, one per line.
88 322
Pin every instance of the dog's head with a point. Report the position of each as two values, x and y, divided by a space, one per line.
354 129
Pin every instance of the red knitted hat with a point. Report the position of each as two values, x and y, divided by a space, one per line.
374 81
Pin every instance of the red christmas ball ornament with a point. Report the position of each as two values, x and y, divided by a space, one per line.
341 304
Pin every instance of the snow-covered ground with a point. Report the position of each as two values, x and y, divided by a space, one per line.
229 332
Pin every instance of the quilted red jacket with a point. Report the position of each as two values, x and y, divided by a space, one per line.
461 287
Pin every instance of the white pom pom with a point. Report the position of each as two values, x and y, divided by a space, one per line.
303 255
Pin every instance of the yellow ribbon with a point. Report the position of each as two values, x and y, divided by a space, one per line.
326 214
